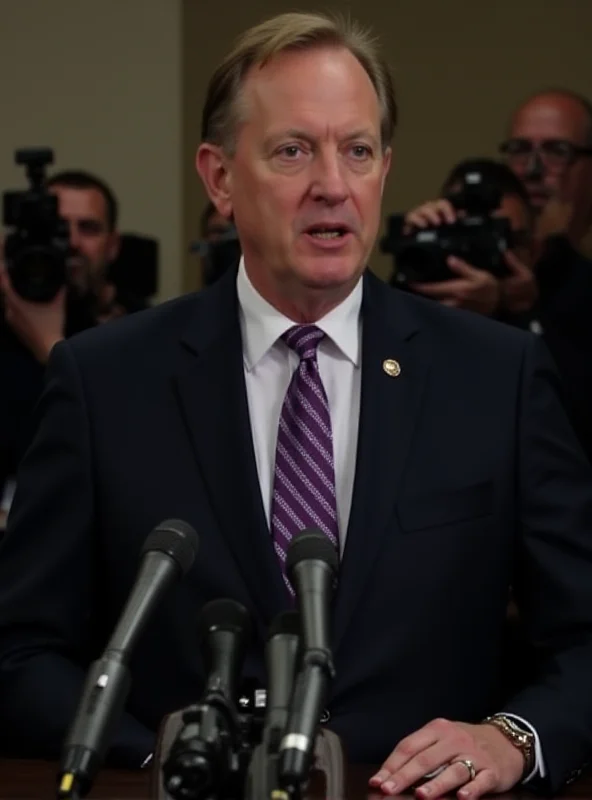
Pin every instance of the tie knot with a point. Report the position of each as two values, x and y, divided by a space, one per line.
304 340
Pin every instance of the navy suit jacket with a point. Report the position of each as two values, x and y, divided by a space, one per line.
469 480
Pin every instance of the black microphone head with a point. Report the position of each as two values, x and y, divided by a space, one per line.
224 615
177 539
311 545
288 622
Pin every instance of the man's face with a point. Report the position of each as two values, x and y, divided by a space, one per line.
552 118
306 180
93 245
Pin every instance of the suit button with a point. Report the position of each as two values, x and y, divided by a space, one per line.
325 716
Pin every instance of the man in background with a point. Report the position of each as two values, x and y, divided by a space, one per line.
549 147
29 330
219 248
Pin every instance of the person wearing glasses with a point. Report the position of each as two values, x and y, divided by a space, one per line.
549 148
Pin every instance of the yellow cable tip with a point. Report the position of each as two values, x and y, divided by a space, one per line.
67 782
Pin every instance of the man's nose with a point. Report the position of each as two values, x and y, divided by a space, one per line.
74 235
535 169
329 180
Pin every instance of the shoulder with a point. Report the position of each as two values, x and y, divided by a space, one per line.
455 330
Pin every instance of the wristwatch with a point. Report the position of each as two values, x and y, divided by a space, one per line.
519 736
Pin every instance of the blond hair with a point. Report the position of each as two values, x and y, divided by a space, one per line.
293 31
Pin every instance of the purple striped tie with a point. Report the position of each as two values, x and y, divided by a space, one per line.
304 481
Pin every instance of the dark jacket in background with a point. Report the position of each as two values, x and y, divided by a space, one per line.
565 283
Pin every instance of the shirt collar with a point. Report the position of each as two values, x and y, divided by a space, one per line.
262 324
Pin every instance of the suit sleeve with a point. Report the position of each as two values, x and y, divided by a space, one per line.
49 577
553 578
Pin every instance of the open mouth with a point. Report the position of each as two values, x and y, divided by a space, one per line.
327 233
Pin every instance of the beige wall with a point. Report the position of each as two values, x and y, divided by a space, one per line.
100 82
459 66
116 86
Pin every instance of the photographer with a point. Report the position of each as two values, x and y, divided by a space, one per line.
510 297
29 328
549 148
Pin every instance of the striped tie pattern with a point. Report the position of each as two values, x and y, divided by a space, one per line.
304 480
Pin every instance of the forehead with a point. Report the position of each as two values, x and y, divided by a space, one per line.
551 117
74 203
322 90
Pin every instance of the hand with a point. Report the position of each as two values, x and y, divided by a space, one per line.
436 212
566 217
475 289
498 764
38 325
519 291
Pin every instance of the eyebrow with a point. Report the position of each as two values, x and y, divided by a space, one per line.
296 133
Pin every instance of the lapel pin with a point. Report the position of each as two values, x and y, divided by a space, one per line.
391 367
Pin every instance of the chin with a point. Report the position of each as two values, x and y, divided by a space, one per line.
328 273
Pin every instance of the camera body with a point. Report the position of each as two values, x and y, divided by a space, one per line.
37 248
211 753
476 237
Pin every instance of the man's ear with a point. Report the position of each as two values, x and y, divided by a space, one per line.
212 167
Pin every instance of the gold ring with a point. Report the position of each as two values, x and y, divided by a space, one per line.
469 765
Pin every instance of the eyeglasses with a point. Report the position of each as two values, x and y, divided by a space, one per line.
556 154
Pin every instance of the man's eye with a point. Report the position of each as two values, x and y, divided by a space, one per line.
361 151
290 150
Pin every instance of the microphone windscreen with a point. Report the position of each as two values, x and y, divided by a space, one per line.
224 615
311 545
177 539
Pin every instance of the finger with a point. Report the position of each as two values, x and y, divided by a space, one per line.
434 213
407 749
60 299
442 289
460 267
514 263
426 763
448 211
454 776
485 783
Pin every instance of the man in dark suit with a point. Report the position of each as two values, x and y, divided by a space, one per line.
429 444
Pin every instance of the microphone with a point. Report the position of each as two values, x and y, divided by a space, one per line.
224 630
206 758
167 555
281 655
311 564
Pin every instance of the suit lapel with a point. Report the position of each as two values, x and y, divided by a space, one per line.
213 399
389 408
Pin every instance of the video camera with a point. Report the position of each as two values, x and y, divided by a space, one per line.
214 745
36 251
477 237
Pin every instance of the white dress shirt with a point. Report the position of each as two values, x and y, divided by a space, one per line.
269 364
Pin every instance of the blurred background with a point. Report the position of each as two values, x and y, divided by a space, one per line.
116 87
